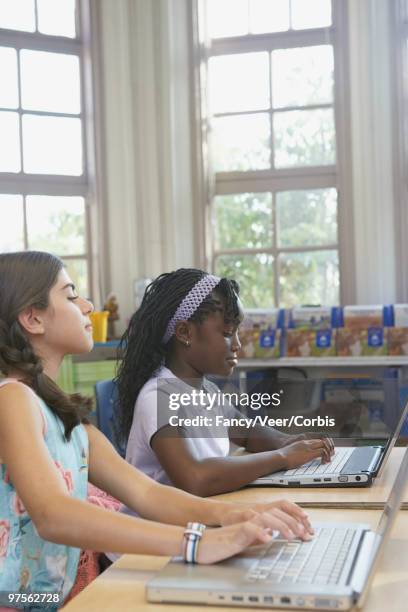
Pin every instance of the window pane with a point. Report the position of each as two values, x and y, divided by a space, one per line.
254 274
307 218
302 76
309 278
57 18
227 18
241 142
56 224
50 82
304 138
78 272
11 223
8 78
239 82
268 16
17 15
311 14
61 146
9 142
243 221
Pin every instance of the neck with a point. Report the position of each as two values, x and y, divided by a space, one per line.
184 371
51 362
51 367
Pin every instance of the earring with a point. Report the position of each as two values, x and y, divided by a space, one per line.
187 343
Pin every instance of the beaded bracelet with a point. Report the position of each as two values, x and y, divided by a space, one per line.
192 536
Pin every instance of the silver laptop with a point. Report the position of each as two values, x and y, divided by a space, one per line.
331 572
351 466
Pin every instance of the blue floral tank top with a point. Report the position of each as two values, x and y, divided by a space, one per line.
29 564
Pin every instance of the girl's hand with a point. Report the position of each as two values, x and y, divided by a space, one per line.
288 513
300 452
285 440
224 542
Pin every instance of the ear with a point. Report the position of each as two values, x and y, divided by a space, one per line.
31 320
183 332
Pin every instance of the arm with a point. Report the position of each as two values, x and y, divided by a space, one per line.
108 471
148 498
63 519
57 516
213 475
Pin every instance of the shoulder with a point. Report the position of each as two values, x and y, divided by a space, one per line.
210 386
18 399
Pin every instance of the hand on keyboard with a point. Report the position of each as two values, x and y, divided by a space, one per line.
301 452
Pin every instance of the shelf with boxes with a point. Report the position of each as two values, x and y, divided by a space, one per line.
325 332
343 354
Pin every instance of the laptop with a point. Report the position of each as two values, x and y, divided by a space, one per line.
351 466
331 572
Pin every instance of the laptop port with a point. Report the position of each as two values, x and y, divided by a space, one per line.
343 478
268 599
358 478
317 480
327 479
285 600
237 598
253 598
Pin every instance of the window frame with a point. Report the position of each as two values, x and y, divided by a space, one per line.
338 175
86 184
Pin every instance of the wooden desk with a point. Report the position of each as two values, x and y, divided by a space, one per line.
122 586
365 498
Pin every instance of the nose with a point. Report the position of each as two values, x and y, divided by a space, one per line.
236 344
87 306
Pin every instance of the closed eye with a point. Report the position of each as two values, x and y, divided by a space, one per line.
75 297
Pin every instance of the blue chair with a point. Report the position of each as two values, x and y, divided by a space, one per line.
106 395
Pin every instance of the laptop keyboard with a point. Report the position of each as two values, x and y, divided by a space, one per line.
315 466
319 561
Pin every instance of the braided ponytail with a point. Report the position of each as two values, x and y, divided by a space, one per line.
25 280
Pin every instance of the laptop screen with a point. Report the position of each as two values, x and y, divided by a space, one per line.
393 439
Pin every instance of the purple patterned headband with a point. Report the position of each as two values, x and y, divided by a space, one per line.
190 303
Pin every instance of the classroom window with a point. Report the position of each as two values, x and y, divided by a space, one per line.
44 151
269 108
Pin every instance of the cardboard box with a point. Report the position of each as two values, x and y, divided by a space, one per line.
352 342
400 315
260 333
398 340
310 343
310 317
366 317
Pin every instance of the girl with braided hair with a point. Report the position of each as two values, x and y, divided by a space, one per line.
185 329
49 452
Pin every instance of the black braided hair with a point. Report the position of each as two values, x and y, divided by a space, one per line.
142 347
25 281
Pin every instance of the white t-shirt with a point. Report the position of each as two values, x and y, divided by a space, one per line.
139 452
